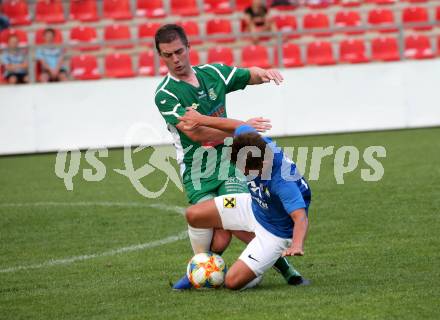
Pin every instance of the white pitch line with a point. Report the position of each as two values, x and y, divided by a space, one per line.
53 262
180 236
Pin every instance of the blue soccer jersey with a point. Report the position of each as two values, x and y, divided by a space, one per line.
275 197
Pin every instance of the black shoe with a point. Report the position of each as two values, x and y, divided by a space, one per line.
298 281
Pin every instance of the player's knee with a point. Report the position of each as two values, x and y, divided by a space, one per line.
232 282
192 215
220 240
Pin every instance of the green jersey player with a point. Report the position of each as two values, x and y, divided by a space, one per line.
205 170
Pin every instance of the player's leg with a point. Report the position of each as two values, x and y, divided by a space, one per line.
239 275
258 257
282 265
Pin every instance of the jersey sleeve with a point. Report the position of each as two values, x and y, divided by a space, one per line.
169 107
235 78
289 194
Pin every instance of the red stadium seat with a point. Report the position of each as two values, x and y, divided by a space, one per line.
117 9
418 47
17 12
146 63
84 10
286 23
2 71
118 65
382 18
221 55
348 19
192 30
218 6
39 36
255 55
350 3
320 53
118 32
146 31
320 4
84 35
194 57
438 46
220 27
382 2
21 35
150 8
291 56
437 15
163 70
416 15
84 67
352 51
241 5
385 49
416 1
317 21
184 7
49 11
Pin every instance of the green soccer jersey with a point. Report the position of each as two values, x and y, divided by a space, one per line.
173 96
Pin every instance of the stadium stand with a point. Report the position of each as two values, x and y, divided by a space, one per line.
320 53
84 67
221 55
117 9
184 7
385 49
418 47
118 33
150 8
85 10
255 55
17 12
355 31
352 51
118 65
85 36
49 11
291 56
39 36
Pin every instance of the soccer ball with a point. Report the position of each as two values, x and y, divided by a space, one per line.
206 270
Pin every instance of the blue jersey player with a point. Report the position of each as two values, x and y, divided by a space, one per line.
275 210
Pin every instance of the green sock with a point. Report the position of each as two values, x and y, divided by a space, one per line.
283 266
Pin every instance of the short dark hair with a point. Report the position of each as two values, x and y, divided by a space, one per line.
49 30
250 139
168 33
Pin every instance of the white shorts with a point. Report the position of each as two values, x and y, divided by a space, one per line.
236 213
263 251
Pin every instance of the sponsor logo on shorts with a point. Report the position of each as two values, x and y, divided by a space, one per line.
229 202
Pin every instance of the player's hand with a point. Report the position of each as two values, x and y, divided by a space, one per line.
191 119
271 75
293 251
260 124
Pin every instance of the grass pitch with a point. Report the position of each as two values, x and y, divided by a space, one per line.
372 250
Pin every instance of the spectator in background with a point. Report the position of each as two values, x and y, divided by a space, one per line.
15 61
256 19
4 21
276 3
51 59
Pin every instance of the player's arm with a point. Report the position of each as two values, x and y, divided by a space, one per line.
171 110
193 119
203 134
294 205
259 76
300 219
